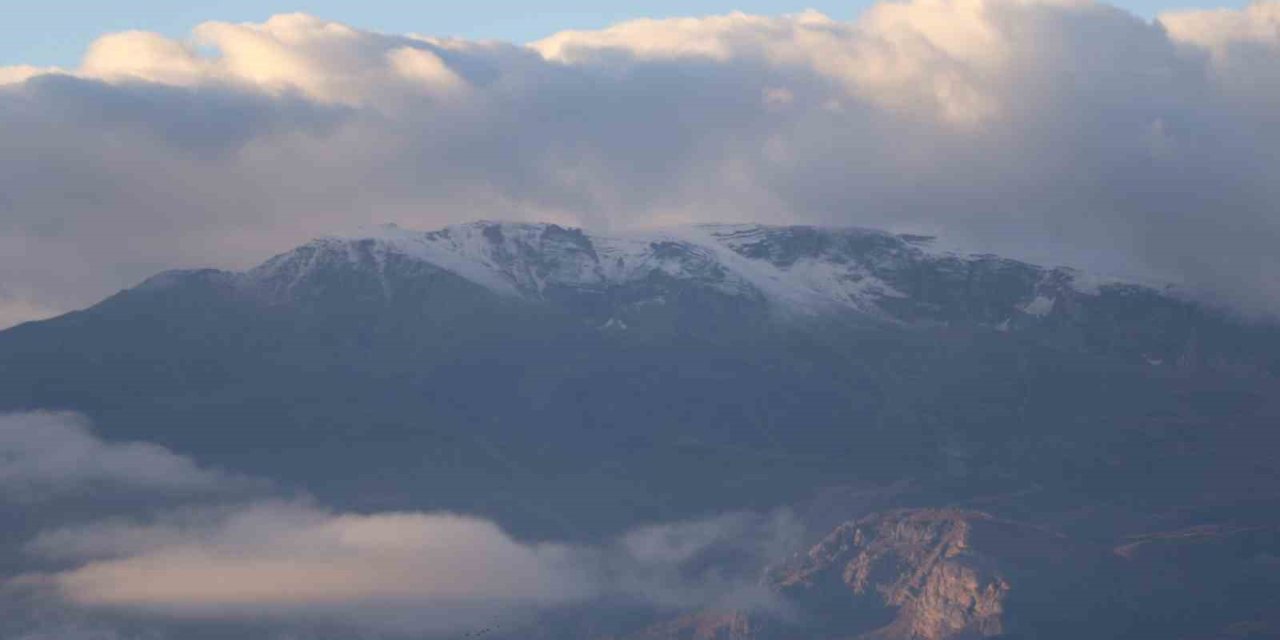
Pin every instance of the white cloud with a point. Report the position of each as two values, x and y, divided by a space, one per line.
713 561
43 454
1219 30
141 55
21 73
324 61
287 559
398 572
1063 131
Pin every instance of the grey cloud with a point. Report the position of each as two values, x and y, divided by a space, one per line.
45 454
1063 132
714 562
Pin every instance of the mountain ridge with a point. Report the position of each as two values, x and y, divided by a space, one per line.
570 388
790 271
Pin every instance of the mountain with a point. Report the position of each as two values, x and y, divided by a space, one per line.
684 280
948 574
917 574
788 272
485 352
571 386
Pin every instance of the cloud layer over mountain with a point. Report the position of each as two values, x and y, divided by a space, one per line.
1061 131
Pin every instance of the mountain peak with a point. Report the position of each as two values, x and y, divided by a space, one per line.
793 271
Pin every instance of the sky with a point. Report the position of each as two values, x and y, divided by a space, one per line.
55 32
1062 132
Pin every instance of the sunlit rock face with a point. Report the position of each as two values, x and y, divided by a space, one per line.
952 574
922 564
921 574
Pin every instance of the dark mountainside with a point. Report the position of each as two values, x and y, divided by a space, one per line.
981 447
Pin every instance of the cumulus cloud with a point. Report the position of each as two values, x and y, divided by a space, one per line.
48 454
398 572
929 57
1061 131
324 61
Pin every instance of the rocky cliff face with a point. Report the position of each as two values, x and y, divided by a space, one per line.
934 569
916 574
952 574
926 574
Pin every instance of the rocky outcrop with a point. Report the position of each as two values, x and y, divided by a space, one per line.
939 573
950 574
916 574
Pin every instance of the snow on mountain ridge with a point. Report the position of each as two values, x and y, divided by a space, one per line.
805 270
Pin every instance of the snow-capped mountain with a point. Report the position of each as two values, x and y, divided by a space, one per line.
790 271
572 385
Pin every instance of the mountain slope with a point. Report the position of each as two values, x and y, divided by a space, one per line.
951 574
568 384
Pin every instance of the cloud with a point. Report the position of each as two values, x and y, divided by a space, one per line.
714 561
1219 30
450 572
324 61
1058 131
397 572
23 72
18 309
46 454
928 56
158 539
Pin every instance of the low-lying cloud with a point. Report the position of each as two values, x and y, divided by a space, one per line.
50 454
398 572
162 540
712 562
442 572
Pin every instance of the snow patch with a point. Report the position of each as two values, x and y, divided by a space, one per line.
837 272
1040 307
